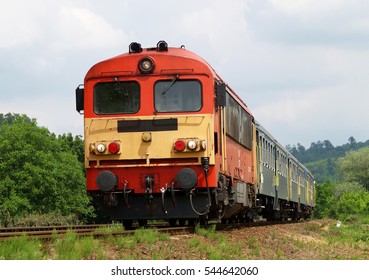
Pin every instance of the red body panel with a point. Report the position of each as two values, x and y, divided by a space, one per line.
135 177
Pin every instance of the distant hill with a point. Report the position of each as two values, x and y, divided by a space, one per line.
321 157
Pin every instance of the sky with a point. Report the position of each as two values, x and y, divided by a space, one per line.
301 66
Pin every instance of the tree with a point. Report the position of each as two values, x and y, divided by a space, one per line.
328 145
342 188
37 174
352 141
301 149
73 144
325 201
354 167
353 203
9 118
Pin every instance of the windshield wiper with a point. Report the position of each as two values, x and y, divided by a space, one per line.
171 84
121 87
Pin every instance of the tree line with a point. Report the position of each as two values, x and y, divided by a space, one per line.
324 149
322 156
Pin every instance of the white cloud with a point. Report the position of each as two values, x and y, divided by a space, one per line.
288 109
219 26
77 28
57 25
333 113
19 24
307 9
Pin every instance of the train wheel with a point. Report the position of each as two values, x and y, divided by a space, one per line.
203 221
142 223
192 222
277 215
181 222
172 222
249 216
128 224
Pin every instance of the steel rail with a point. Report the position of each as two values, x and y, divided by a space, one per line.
103 230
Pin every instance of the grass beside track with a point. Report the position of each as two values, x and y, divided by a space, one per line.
320 239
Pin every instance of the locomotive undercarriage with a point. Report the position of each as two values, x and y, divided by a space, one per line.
280 210
225 202
177 205
153 207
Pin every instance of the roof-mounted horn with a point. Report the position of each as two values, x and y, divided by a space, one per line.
135 47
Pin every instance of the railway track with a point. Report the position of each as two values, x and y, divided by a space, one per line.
81 230
99 230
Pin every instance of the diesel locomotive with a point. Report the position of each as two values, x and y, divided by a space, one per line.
167 139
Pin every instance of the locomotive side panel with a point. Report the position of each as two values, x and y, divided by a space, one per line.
239 153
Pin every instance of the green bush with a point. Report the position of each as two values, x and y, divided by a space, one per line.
353 203
38 174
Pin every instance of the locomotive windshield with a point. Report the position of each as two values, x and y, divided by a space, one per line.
117 98
181 96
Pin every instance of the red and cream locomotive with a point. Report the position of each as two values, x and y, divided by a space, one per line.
166 138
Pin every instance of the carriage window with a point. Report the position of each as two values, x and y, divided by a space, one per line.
239 123
178 96
117 98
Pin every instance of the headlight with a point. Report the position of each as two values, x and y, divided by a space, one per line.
101 148
192 144
146 65
203 144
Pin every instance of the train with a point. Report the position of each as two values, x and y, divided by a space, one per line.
167 139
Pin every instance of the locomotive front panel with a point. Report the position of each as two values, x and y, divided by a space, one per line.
149 135
133 149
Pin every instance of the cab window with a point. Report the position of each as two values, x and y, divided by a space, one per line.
116 98
178 96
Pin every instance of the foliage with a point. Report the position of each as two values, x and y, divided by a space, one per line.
149 236
217 247
20 248
355 167
325 202
322 156
74 145
72 247
9 118
38 174
324 170
324 149
49 219
209 232
343 187
341 200
353 203
344 201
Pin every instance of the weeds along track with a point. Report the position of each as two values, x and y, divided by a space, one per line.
45 232
82 230
98 230
260 223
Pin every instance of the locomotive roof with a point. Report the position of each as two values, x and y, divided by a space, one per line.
114 64
112 67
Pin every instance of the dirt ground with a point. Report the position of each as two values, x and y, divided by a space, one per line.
311 240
